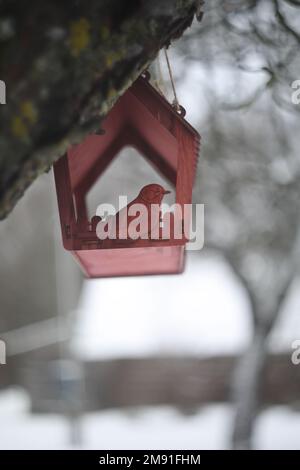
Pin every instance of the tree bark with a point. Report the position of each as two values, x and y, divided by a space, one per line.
247 384
64 65
249 373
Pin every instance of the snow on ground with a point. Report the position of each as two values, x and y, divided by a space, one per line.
278 428
202 311
145 428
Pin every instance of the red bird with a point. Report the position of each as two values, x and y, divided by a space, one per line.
150 194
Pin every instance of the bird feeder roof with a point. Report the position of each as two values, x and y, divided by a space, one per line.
141 118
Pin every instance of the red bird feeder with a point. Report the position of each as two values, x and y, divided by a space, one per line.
142 119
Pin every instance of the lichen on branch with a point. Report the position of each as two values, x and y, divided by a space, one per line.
64 65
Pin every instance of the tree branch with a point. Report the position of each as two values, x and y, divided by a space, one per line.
64 65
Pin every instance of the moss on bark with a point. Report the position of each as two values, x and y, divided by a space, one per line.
64 65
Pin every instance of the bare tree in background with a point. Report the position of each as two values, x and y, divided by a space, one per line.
250 169
252 198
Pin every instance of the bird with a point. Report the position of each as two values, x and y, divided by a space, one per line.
151 194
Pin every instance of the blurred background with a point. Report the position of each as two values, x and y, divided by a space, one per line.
197 360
